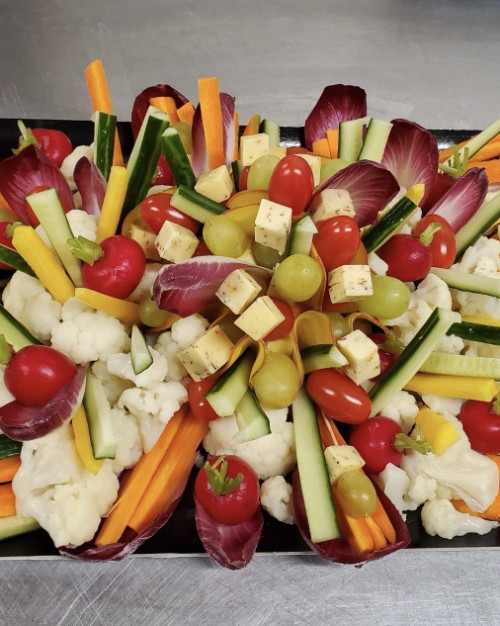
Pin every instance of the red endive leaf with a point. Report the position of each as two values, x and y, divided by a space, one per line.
91 184
141 103
337 103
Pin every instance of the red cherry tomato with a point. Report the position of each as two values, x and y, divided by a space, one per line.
237 505
386 358
119 270
339 397
297 150
164 174
54 143
5 240
408 259
443 245
481 425
292 184
197 400
156 210
286 325
36 373
373 440
337 241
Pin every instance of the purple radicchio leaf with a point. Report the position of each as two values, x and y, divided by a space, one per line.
91 185
141 103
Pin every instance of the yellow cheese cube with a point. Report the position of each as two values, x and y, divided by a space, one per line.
273 225
260 318
146 239
349 283
362 355
175 243
216 184
341 459
207 354
314 161
279 151
238 290
436 429
252 147
330 203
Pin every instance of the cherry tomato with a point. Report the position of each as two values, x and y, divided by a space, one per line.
373 440
286 325
242 183
36 373
292 184
481 425
337 241
227 503
164 174
119 270
197 400
297 150
408 259
5 240
443 244
156 210
54 143
339 397
386 358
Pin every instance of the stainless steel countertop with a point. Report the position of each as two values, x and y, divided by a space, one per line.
433 62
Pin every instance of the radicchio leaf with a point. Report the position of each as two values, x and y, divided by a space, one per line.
232 547
338 550
186 288
23 423
463 198
337 103
141 103
370 185
442 183
91 184
30 170
411 154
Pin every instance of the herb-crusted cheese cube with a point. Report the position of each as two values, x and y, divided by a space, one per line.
314 161
215 184
362 355
238 290
175 243
261 317
341 459
273 225
252 147
207 354
146 239
349 283
330 203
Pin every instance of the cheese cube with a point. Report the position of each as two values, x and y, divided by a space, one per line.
261 317
238 290
314 161
216 184
349 283
341 459
279 151
362 355
146 239
330 203
273 224
252 147
175 243
207 354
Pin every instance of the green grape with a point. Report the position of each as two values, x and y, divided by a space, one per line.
265 256
277 382
261 170
356 494
391 298
150 314
331 167
224 236
339 324
298 277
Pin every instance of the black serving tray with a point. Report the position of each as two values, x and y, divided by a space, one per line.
179 535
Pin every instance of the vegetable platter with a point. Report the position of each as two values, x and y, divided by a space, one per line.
223 336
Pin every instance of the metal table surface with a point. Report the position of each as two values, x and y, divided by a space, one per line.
432 62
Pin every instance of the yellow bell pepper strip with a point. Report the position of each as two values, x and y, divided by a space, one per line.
43 262
126 311
465 387
83 443
438 431
112 205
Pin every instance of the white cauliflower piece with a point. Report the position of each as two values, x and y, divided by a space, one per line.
420 489
120 365
128 440
476 304
166 346
82 224
439 517
450 406
186 330
30 303
68 165
85 334
145 285
484 253
394 482
67 500
276 498
410 223
153 408
271 455
403 409
113 385
5 395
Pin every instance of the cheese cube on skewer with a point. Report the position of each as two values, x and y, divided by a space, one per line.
362 354
261 317
273 225
238 290
207 354
349 283
175 243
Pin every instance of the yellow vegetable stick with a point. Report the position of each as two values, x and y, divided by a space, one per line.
486 321
83 443
43 262
465 387
127 312
113 203
436 429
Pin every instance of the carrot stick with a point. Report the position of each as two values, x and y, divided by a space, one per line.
8 468
167 105
7 500
132 490
186 113
97 85
379 539
322 147
236 149
211 114
492 168
490 151
252 128
172 469
354 529
383 522
333 141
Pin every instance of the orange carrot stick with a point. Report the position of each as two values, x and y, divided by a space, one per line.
8 468
211 114
252 128
491 168
7 500
322 147
384 523
354 529
333 141
167 105
379 539
186 113
236 148
490 151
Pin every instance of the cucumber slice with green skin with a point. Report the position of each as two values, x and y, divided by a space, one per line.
14 332
236 167
476 332
313 472
140 353
14 259
228 391
141 166
9 447
273 130
301 237
104 141
251 419
375 140
375 236
98 411
351 135
177 158
461 365
476 143
321 357
412 357
49 211
194 204
471 283
14 525
485 217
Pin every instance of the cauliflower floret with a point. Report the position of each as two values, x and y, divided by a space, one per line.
166 346
88 335
276 498
68 165
403 409
271 455
485 253
31 304
128 440
394 483
145 286
439 517
420 489
476 304
186 330
113 385
121 365
82 224
67 500
410 224
153 408
450 406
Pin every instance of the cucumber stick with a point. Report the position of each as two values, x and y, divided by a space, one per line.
273 130
472 331
227 392
177 158
195 204
301 237
140 353
251 419
468 282
375 140
15 260
98 411
313 472
461 365
351 133
9 447
322 356
486 216
14 525
104 141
